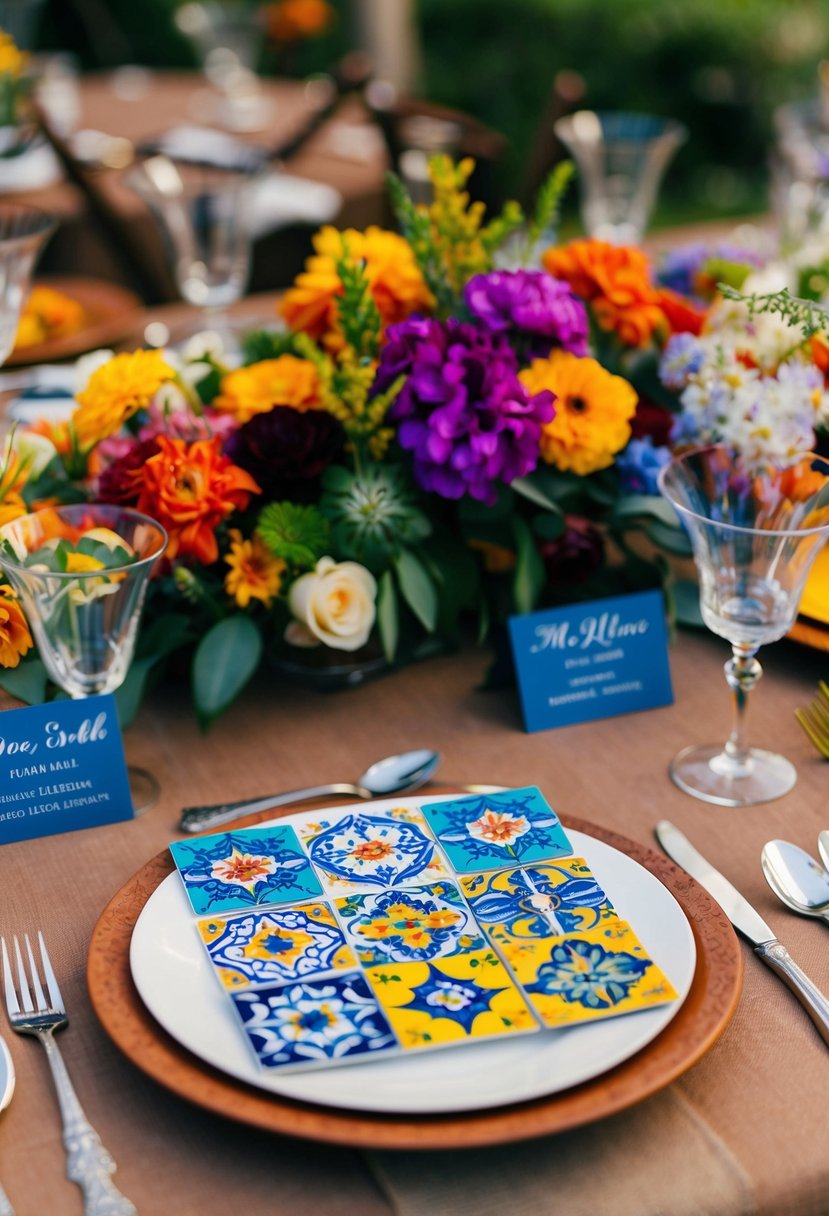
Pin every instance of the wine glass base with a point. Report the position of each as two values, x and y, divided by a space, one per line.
144 789
762 778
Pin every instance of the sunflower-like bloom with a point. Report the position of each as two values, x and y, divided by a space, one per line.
615 282
12 60
593 411
15 639
262 386
190 489
115 392
48 314
254 574
394 278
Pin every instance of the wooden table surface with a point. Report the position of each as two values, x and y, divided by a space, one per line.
744 1131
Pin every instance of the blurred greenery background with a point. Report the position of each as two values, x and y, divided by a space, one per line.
720 66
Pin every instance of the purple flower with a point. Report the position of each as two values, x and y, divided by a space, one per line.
639 466
286 450
529 306
462 412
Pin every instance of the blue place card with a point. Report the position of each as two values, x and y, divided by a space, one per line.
61 768
592 660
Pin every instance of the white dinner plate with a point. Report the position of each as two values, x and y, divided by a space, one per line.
175 980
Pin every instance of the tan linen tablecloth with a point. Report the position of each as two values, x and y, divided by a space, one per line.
744 1131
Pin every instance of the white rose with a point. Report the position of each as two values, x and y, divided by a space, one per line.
336 603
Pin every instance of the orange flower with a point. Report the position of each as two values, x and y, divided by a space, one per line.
393 275
682 315
290 20
15 639
593 411
190 489
48 314
262 386
615 281
254 574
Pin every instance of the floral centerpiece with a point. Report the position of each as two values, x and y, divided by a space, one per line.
433 438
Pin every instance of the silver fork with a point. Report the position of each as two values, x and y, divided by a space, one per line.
88 1163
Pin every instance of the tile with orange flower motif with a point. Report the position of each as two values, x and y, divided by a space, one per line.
249 868
276 945
412 925
583 977
493 831
450 1000
359 851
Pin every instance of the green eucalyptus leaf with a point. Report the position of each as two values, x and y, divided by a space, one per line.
671 539
532 488
28 681
651 506
388 621
128 697
529 577
225 659
686 603
417 589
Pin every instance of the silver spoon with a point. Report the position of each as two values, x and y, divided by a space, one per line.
796 878
823 847
394 775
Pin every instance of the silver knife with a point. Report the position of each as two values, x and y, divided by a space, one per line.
748 922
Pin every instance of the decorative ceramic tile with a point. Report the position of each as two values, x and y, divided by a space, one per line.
275 946
363 852
313 1022
248 868
601 973
493 831
537 901
409 926
467 996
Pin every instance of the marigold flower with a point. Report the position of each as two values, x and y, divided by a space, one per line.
15 639
48 314
190 489
291 20
593 411
263 386
254 574
116 391
394 279
615 280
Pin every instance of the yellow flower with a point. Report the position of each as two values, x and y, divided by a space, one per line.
12 61
255 574
258 388
593 411
394 279
15 639
116 391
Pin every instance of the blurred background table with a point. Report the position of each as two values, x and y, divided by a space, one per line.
743 1132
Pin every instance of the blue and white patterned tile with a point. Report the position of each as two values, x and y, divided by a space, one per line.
315 1022
275 946
251 867
360 851
494 831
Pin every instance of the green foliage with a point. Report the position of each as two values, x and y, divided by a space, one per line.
225 659
416 227
297 534
359 316
373 513
28 681
805 315
417 589
549 200
262 344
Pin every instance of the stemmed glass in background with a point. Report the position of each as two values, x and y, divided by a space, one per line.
204 215
85 621
23 231
755 533
621 158
228 39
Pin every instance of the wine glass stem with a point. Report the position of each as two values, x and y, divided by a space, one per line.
742 672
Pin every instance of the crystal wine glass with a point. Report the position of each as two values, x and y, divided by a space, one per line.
755 531
23 231
84 616
621 158
203 212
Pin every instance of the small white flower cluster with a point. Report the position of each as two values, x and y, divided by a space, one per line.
748 383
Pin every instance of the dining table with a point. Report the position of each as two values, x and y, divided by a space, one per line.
741 1130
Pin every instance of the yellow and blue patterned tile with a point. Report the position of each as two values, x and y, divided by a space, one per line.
275 946
412 925
450 1000
603 972
493 831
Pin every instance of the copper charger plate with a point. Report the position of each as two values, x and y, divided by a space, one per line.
700 1021
109 309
